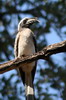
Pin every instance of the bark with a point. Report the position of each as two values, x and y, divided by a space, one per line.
43 54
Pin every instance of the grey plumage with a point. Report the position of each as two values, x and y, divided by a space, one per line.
25 44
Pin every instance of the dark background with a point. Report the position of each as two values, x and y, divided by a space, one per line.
50 78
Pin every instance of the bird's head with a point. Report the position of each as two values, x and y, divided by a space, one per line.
27 22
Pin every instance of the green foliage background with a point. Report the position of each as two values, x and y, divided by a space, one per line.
50 76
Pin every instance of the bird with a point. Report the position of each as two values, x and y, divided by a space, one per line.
25 45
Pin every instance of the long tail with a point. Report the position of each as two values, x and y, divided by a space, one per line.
29 87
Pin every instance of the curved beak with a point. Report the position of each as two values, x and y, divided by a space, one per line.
32 20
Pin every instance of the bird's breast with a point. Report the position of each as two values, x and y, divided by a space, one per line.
26 44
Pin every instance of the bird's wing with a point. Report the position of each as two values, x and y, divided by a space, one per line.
22 74
16 45
34 69
35 44
16 55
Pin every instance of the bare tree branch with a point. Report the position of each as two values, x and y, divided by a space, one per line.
43 54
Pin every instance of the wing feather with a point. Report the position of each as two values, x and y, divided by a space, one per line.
16 45
34 70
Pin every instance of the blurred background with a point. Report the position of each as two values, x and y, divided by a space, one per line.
50 77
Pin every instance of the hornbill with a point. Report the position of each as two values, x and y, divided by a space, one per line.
25 45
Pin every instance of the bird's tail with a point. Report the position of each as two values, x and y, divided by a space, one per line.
29 87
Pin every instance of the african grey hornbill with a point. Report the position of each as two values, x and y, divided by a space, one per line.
25 44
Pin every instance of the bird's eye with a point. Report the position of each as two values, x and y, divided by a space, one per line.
24 22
